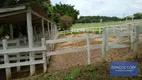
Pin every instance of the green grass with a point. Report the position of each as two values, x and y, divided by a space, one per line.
100 72
99 24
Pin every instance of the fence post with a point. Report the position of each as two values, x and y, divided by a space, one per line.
99 30
6 60
132 37
64 33
44 56
136 40
18 54
107 35
88 50
104 44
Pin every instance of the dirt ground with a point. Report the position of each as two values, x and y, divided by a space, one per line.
64 61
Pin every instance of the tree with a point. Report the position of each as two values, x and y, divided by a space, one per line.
137 16
65 22
64 9
90 19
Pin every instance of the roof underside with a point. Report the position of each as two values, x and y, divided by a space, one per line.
10 16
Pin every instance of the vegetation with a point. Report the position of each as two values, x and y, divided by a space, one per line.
83 25
65 22
138 16
92 19
100 72
96 19
73 74
64 14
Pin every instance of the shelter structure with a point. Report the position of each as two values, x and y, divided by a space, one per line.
38 28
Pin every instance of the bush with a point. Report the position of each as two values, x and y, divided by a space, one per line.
73 74
65 22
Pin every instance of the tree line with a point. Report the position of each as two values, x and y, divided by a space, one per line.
95 19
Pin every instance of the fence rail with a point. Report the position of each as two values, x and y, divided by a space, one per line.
121 33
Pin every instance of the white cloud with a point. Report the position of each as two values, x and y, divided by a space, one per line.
105 7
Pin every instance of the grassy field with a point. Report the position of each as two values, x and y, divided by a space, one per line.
100 24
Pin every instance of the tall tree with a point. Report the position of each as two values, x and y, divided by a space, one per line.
64 10
137 16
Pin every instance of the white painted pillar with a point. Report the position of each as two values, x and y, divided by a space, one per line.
103 44
132 37
44 56
34 33
43 31
107 35
54 29
57 30
30 39
18 55
6 60
88 50
136 39
11 31
49 30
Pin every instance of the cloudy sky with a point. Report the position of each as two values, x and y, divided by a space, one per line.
104 7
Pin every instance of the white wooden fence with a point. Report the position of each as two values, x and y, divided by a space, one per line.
131 34
98 29
17 51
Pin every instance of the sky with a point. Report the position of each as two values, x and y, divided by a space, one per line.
119 8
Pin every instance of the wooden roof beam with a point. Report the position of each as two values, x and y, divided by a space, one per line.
13 13
4 10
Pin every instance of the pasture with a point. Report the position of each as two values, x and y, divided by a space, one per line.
81 25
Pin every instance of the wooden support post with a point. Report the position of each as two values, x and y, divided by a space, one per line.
103 44
6 60
11 31
88 50
49 30
99 30
54 30
42 23
18 55
44 56
34 33
30 39
136 38
132 37
136 41
25 40
107 35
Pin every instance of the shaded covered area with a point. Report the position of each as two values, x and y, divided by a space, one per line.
27 28
18 17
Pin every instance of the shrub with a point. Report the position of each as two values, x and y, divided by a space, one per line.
73 74
65 22
91 68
